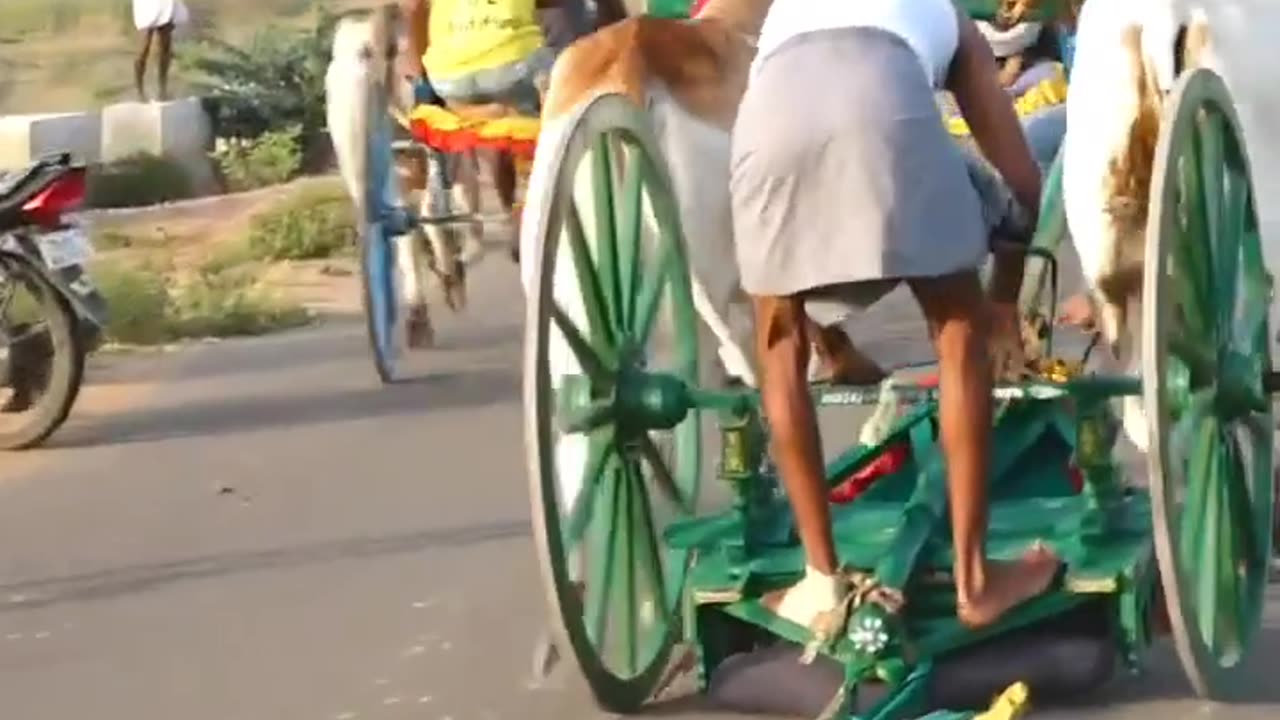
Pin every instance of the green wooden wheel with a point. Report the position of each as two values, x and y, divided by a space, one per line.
1205 348
611 306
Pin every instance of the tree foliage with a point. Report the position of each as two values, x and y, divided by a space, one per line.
274 81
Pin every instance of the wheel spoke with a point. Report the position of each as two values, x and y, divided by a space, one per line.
595 364
626 610
606 236
662 479
599 584
650 561
28 331
600 451
1223 243
1194 268
1196 469
1229 551
1238 500
630 225
1202 510
652 287
593 294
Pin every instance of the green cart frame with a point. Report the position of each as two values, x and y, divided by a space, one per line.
614 441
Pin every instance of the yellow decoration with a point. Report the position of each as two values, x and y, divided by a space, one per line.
1047 93
1058 370
1011 704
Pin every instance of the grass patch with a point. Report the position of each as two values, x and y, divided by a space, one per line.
314 223
226 257
113 240
146 308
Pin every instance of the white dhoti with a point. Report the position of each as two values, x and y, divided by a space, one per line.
152 14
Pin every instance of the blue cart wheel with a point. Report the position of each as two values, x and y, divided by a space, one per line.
377 253
377 274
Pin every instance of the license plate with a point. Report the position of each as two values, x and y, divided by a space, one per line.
64 248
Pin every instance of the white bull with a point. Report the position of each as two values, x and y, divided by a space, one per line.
359 64
1129 53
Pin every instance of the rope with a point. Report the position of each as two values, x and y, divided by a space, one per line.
864 588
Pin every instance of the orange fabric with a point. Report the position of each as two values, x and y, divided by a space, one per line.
446 131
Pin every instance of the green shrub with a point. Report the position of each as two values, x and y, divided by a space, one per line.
312 224
226 257
137 181
225 304
146 309
274 81
272 158
137 302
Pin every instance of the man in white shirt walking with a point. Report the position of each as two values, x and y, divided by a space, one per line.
156 20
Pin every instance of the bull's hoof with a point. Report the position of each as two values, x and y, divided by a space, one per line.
419 333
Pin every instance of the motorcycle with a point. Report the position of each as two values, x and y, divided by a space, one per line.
51 314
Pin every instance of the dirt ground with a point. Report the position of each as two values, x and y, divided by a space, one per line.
182 237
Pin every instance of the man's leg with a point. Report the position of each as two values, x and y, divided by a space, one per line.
166 59
140 64
782 346
956 309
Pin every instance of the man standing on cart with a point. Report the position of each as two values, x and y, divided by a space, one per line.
844 190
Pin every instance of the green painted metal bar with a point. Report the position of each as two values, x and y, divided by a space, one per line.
1096 432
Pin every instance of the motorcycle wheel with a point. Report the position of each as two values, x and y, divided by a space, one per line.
45 355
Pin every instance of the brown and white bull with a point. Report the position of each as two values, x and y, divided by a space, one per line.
689 75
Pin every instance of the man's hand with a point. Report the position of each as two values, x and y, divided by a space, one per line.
1008 355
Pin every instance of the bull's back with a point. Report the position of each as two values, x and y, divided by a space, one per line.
703 65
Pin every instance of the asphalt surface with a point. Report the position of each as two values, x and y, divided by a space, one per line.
256 530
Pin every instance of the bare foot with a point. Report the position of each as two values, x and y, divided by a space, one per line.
1008 585
842 363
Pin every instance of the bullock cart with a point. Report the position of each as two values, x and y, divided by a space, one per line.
636 566
389 148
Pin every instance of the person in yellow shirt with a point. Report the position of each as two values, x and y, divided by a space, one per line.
480 52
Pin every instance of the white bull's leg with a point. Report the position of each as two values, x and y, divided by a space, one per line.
412 269
464 198
1104 106
697 156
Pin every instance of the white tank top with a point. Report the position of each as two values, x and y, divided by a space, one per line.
928 27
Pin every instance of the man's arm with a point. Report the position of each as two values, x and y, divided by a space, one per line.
415 13
995 127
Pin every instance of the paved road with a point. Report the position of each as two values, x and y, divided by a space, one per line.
256 531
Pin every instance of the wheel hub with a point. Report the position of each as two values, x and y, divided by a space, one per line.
636 402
